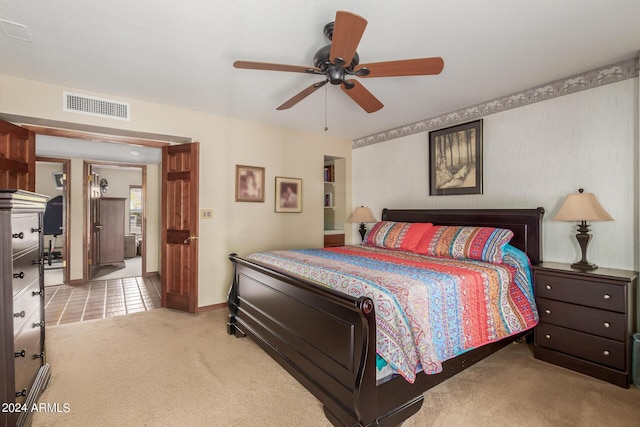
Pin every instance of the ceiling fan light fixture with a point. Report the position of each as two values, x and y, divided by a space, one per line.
331 60
361 72
328 30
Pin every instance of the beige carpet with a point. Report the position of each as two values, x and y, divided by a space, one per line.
166 368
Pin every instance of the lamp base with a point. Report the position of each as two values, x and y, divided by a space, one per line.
584 266
362 230
583 238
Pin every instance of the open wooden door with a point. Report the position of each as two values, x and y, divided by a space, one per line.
94 232
179 267
17 157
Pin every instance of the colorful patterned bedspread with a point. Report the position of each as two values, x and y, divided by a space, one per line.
427 309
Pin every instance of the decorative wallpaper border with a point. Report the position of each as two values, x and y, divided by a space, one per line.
599 77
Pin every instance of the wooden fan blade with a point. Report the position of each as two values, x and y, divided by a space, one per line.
250 65
302 95
347 32
362 97
407 67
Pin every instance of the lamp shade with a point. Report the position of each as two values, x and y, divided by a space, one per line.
581 206
362 214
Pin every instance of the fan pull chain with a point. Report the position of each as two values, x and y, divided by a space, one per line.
325 109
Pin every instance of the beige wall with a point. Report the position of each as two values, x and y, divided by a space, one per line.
224 142
533 156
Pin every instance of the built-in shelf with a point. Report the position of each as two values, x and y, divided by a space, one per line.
334 199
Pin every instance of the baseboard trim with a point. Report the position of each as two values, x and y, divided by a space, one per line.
211 307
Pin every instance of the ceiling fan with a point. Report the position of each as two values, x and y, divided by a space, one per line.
339 60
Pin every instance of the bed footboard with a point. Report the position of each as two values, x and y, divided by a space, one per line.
327 340
321 337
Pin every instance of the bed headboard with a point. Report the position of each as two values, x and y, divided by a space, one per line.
526 224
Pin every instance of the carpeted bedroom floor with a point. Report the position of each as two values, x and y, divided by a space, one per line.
167 368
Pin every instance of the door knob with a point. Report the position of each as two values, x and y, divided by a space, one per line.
189 239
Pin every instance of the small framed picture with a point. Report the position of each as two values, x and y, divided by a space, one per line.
288 194
249 184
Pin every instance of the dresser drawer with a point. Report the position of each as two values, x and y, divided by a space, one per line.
24 305
28 342
25 378
581 291
589 347
25 269
25 231
608 324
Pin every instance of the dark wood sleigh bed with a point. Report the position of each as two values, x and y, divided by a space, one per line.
327 339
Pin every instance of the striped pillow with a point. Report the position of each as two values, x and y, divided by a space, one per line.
403 236
479 243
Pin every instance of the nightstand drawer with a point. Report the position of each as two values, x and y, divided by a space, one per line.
589 347
604 323
581 291
331 240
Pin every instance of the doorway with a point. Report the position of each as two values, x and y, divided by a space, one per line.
52 175
116 233
178 176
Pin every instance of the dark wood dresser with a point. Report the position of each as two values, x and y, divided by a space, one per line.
587 320
24 372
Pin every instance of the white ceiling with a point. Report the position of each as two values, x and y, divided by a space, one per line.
181 53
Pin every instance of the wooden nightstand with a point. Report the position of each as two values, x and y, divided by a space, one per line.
332 240
586 320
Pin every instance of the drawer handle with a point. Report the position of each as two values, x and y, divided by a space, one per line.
547 311
19 235
39 356
39 324
36 230
21 353
21 314
18 275
606 324
21 393
606 296
548 287
547 336
606 352
39 293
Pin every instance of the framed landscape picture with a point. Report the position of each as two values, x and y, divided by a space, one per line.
288 194
455 159
249 184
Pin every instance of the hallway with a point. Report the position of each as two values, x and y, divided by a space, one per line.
100 298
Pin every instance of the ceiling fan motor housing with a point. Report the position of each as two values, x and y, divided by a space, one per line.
335 74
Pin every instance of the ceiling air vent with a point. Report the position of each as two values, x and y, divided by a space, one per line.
96 106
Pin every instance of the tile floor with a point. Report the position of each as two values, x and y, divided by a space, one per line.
100 298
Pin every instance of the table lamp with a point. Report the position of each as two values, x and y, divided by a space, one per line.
582 207
362 215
